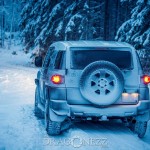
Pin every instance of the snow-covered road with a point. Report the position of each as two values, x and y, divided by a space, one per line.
21 130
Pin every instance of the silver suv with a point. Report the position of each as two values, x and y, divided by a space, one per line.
92 80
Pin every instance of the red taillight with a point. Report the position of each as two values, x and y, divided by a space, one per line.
146 79
57 79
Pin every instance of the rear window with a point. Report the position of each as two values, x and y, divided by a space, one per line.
81 58
60 60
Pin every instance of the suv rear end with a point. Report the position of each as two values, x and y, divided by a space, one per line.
100 81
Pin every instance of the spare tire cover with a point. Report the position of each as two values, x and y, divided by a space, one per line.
101 83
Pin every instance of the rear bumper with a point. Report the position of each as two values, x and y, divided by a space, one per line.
61 108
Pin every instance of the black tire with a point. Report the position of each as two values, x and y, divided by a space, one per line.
52 127
102 83
140 128
38 112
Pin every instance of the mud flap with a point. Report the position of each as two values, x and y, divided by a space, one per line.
63 119
55 117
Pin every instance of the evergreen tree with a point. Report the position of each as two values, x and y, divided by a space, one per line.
46 21
27 22
136 31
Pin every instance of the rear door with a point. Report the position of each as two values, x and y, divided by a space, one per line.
79 57
72 78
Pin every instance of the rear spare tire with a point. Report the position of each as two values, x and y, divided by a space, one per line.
101 83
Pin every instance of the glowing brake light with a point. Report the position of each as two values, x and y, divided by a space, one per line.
57 79
146 79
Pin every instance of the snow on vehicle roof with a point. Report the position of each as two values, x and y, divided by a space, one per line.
62 45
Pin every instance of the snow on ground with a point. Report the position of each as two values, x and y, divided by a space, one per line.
21 130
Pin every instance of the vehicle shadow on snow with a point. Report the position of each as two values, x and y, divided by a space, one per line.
113 127
113 131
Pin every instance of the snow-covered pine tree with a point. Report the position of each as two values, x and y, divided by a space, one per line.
83 20
52 22
74 16
136 31
27 23
46 21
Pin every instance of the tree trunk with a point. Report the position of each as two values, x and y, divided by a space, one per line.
3 25
89 31
117 16
11 26
106 20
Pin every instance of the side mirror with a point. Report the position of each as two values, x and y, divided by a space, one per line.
38 61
